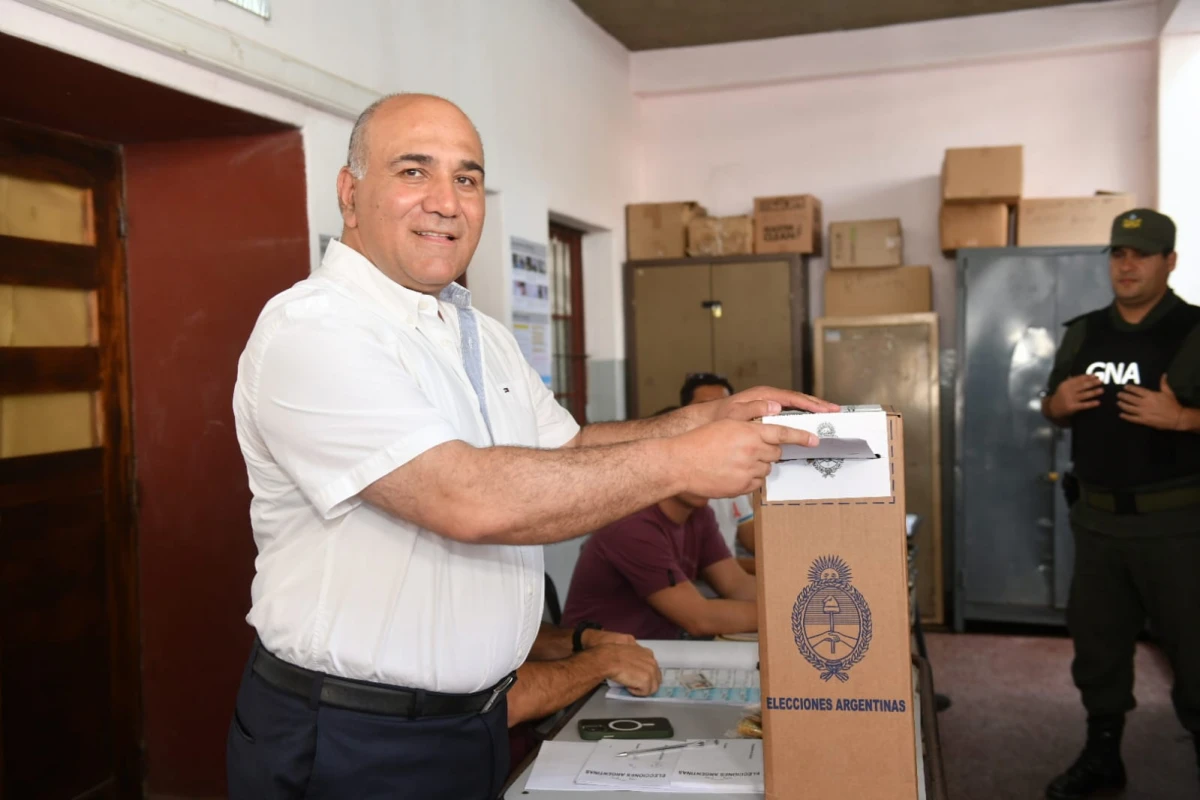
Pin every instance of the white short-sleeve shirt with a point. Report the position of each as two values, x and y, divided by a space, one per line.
346 377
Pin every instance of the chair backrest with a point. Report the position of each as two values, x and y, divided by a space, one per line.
553 607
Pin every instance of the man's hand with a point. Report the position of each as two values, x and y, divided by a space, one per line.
761 401
594 638
1074 395
630 665
1160 410
728 458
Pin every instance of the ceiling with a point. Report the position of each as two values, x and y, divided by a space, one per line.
654 24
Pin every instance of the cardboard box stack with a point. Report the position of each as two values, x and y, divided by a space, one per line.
659 230
1070 220
788 224
865 277
979 186
833 615
720 236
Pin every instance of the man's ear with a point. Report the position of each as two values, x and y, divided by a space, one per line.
346 185
1171 259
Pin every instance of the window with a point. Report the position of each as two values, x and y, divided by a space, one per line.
569 371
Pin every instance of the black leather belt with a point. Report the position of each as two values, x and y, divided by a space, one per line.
375 698
1119 502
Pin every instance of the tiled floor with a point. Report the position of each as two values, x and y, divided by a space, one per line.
1017 721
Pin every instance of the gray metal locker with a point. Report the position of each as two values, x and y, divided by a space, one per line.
1013 551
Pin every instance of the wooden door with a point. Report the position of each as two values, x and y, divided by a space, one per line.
672 329
752 338
68 655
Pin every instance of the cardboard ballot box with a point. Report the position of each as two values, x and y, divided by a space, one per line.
833 612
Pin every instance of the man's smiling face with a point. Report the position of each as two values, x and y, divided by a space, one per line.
417 212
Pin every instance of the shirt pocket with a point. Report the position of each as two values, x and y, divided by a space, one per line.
510 409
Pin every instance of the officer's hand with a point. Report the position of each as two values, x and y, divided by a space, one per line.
730 458
1147 407
630 665
1074 395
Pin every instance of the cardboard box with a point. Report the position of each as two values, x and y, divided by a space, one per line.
833 616
787 224
867 243
983 175
870 292
720 236
983 225
1070 220
658 230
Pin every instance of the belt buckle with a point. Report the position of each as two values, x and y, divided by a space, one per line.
499 690
1124 503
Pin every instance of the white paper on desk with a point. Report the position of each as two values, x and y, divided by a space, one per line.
685 654
651 771
725 765
557 765
731 687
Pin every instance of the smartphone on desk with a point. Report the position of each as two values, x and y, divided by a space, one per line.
591 730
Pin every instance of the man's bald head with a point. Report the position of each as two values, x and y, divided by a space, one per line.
358 155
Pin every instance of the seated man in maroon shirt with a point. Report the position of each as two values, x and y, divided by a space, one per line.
635 576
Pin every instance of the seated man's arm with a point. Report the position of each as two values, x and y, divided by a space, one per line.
745 534
699 616
730 580
544 687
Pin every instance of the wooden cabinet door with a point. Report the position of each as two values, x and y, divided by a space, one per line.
752 338
672 331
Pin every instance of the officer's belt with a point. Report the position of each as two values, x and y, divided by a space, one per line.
1140 502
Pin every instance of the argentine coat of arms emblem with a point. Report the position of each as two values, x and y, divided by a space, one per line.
831 620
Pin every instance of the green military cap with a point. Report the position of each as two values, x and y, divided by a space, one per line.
1144 230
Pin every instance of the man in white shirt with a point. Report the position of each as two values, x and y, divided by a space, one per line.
406 464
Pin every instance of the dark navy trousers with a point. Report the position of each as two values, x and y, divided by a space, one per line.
284 747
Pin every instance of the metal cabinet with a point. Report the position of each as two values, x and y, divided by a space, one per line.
1013 549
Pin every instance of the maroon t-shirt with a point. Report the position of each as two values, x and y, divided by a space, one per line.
623 564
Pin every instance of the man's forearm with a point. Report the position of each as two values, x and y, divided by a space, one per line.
552 643
724 616
1189 420
678 421
544 687
516 495
1048 413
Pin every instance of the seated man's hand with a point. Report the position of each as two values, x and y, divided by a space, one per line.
593 638
630 665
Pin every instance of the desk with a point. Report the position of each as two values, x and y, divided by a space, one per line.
694 721
690 721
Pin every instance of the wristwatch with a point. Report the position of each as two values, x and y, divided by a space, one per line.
577 638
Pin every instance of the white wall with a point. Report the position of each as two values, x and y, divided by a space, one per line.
1179 153
870 143
547 88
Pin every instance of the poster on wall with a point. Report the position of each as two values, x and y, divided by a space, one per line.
531 304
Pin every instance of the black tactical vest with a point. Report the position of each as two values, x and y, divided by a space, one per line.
1110 452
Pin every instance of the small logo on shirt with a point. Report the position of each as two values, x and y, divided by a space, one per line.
831 620
828 467
1120 373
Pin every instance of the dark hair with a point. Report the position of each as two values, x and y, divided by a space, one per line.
697 379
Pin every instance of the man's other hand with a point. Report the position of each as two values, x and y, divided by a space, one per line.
762 401
729 458
1074 395
630 665
1160 410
